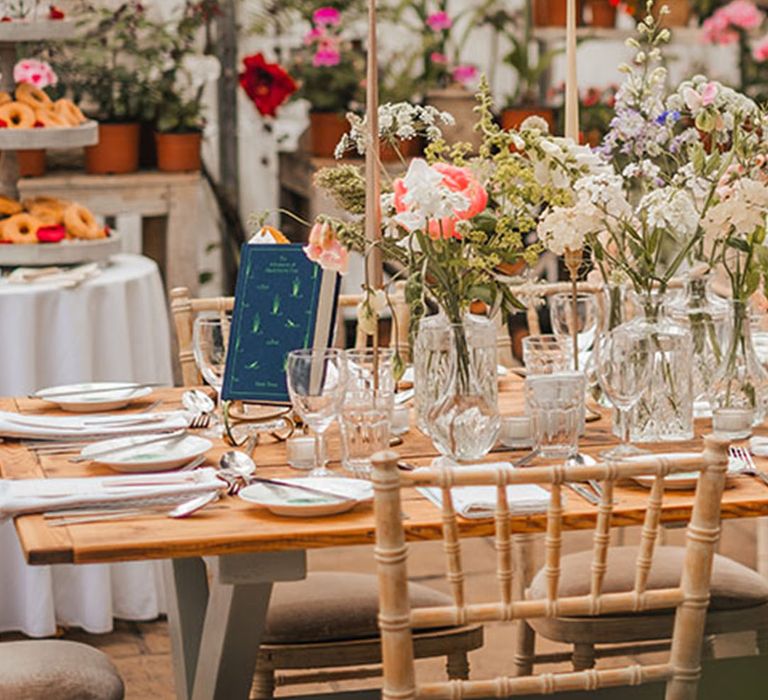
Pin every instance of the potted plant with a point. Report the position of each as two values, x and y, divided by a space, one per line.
107 69
329 69
601 13
175 95
551 13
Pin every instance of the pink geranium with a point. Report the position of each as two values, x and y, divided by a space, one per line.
721 27
326 57
326 250
313 35
760 50
439 21
37 73
327 16
464 73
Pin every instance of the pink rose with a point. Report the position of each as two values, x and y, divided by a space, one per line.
438 58
464 74
328 16
760 50
439 21
326 250
37 73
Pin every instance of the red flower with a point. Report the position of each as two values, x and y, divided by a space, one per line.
3 124
55 13
6 19
51 234
267 84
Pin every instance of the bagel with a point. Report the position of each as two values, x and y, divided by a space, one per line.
81 223
20 228
47 117
32 96
68 112
5 98
17 115
9 207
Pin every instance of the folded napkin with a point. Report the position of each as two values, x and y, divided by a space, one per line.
58 276
758 446
479 502
21 496
85 426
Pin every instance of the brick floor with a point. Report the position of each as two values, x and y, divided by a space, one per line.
141 650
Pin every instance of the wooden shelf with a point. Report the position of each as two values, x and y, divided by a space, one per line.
22 30
50 137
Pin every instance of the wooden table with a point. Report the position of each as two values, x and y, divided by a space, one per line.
216 629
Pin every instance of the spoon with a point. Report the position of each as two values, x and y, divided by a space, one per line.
197 401
238 463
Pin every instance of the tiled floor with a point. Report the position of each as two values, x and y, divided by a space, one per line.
141 650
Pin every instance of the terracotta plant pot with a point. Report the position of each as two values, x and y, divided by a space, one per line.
552 13
409 148
680 12
31 162
117 151
512 118
325 131
178 153
600 13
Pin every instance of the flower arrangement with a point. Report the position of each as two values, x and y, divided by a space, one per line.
268 85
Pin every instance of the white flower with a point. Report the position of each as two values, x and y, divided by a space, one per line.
567 227
671 209
369 309
535 122
741 212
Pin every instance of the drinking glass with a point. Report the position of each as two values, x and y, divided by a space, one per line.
623 364
366 415
316 383
587 318
545 354
210 336
555 402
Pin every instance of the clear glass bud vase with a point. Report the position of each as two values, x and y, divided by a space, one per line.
664 412
430 365
740 381
705 315
464 421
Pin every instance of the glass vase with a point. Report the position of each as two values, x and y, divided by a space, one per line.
430 365
740 382
613 312
464 421
705 315
664 412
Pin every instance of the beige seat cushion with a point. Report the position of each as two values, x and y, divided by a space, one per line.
44 670
333 606
734 586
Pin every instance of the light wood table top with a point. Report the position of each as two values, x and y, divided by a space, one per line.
237 527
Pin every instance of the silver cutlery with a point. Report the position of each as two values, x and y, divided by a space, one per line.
584 493
746 465
167 437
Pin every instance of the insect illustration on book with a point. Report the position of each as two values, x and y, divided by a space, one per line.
256 324
276 305
295 287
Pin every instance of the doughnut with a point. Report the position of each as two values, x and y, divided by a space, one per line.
81 223
47 117
17 115
68 112
32 96
5 98
20 228
9 207
48 216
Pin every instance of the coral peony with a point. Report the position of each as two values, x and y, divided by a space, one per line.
267 84
439 21
37 73
326 250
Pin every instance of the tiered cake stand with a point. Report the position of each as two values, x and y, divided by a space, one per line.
12 140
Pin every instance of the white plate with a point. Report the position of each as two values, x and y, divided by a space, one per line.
682 481
298 504
157 457
101 401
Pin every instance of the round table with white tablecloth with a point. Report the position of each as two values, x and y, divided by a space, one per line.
111 327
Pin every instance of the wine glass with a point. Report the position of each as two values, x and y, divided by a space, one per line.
587 318
317 382
623 364
210 335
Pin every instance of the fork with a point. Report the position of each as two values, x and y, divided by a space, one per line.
199 420
746 463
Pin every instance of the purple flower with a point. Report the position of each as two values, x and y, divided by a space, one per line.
328 16
439 21
326 57
464 73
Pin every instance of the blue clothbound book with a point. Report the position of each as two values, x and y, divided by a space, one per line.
283 302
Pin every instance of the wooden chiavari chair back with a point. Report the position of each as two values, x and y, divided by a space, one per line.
689 599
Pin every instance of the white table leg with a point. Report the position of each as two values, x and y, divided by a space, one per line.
215 634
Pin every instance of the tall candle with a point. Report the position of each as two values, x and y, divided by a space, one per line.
372 174
571 79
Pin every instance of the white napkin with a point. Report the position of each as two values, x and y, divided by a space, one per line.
17 425
58 276
758 446
20 496
479 502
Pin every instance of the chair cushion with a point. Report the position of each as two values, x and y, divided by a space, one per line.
45 669
733 587
333 606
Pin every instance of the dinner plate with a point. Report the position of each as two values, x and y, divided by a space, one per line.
157 457
303 504
681 481
104 400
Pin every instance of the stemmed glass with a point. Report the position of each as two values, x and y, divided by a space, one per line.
317 381
587 317
210 335
623 364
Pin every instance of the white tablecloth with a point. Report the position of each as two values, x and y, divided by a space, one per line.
113 327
